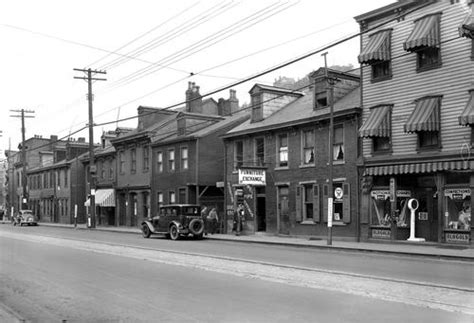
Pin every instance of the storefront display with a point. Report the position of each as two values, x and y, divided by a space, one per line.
457 215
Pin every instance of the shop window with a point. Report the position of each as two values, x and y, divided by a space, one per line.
458 209
260 151
381 208
338 144
428 139
283 150
238 154
308 147
381 70
171 161
159 161
428 58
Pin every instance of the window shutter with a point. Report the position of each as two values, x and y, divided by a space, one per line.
299 203
316 208
325 202
346 203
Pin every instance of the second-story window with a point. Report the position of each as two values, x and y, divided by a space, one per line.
159 161
146 158
308 147
133 160
111 169
238 154
283 150
102 170
184 157
171 161
377 54
338 144
172 197
121 162
260 151
428 57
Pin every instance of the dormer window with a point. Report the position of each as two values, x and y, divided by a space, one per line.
257 110
321 99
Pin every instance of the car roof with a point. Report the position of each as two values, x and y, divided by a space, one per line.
180 205
26 211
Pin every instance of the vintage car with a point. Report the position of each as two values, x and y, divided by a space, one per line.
25 217
174 221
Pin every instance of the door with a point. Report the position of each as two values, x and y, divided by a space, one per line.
261 222
426 216
283 210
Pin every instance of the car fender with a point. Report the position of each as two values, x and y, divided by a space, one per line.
150 226
178 225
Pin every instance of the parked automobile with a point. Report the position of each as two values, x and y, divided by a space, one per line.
25 217
174 221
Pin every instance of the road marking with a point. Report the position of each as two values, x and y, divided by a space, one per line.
442 298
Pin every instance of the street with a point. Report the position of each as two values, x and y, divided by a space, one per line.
52 274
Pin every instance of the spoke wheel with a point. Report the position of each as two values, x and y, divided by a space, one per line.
174 235
146 231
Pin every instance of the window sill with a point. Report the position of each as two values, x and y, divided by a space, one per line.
339 224
282 168
338 162
428 68
306 165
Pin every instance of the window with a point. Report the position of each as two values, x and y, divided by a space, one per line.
257 110
184 157
381 144
182 195
159 161
172 197
260 151
159 200
133 158
283 150
66 173
308 202
428 139
146 158
102 170
121 162
308 147
171 162
381 70
111 169
321 99
338 144
428 57
238 154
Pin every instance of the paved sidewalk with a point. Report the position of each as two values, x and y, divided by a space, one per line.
427 249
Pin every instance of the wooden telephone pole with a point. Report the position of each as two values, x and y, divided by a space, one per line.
92 169
24 179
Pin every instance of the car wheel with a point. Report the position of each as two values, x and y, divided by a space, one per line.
196 227
174 234
146 231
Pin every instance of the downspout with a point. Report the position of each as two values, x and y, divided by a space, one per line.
198 197
225 186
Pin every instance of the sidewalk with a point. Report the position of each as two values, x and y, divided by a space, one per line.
425 249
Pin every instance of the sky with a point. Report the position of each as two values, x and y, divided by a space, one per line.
150 50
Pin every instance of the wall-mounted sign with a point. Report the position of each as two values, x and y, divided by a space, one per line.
381 233
385 194
423 216
338 193
457 237
249 176
457 193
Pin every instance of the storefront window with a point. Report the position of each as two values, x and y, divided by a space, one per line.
458 208
380 208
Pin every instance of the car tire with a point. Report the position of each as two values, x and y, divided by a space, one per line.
196 227
174 234
146 232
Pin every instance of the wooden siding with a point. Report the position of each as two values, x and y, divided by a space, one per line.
452 80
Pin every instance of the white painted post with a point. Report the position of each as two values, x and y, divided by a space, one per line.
75 215
413 206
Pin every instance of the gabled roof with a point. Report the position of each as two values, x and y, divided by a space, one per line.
298 112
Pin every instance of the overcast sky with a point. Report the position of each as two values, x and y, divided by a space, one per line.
149 49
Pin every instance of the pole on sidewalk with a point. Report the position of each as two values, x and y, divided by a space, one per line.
75 215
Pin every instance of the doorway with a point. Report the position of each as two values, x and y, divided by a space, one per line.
283 210
426 216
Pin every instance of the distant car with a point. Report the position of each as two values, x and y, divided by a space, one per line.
25 217
174 221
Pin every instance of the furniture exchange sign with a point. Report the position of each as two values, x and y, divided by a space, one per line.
249 176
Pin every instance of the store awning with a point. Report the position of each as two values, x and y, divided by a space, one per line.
418 168
467 116
466 29
425 33
425 116
378 124
103 198
377 48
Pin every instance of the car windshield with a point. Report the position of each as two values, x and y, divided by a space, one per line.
188 210
26 212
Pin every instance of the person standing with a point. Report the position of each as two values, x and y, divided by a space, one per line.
238 218
213 220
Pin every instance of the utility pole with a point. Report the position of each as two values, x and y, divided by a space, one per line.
92 170
330 91
24 178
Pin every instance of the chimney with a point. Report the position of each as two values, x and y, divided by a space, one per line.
229 106
54 138
81 139
193 98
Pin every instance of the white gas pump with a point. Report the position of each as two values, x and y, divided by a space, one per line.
413 206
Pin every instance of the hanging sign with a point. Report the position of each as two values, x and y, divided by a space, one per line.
249 176
457 193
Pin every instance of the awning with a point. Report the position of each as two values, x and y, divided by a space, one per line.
418 168
377 48
378 124
467 27
103 198
425 116
424 34
467 116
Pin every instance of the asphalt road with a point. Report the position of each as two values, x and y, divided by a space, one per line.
93 279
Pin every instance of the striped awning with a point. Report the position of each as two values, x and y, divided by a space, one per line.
418 168
467 116
424 34
467 27
377 48
425 116
103 198
378 124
